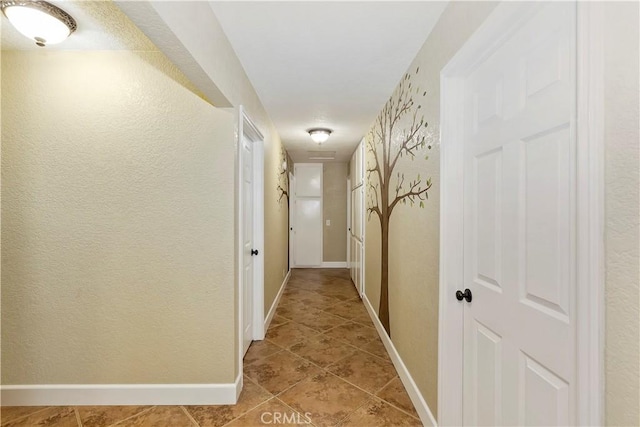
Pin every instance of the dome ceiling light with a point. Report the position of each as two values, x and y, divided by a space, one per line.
40 21
319 135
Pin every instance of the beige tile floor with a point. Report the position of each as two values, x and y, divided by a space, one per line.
322 363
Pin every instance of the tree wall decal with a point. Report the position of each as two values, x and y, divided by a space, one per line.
283 188
399 132
283 176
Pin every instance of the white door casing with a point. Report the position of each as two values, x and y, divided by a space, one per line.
292 219
250 233
511 158
357 219
349 248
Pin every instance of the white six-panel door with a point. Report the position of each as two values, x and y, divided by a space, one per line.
247 243
519 226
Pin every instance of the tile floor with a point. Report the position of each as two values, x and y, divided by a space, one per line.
322 363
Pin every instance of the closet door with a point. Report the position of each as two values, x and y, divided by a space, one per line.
308 215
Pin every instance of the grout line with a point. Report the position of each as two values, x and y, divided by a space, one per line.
375 355
246 365
271 396
25 416
245 413
382 388
293 409
132 416
78 419
400 409
330 373
186 412
355 385
346 417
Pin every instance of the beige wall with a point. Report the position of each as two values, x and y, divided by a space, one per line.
622 182
117 231
219 69
188 336
227 73
334 207
414 232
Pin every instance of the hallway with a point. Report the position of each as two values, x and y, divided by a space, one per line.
321 359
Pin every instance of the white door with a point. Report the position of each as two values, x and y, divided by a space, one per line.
291 213
519 226
247 243
308 215
308 232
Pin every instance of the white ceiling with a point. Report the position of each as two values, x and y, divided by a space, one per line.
325 64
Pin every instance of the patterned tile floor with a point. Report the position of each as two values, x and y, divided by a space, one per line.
322 363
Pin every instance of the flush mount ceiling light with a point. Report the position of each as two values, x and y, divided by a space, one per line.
43 22
319 135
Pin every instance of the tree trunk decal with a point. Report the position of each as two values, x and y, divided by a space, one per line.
399 132
283 176
283 189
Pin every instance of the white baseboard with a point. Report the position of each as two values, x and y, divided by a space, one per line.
121 394
239 384
418 401
274 305
341 264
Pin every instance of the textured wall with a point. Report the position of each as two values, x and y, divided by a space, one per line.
414 232
334 208
117 231
276 214
220 62
622 185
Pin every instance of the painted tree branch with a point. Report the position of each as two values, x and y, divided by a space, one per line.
283 177
385 154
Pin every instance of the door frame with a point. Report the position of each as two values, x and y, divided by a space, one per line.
590 210
246 128
349 248
292 217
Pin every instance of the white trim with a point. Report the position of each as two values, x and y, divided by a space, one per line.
424 412
450 316
121 394
349 249
340 264
276 301
258 240
363 220
239 384
590 227
590 209
247 128
291 213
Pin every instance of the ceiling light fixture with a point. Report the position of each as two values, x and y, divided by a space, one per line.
319 135
41 21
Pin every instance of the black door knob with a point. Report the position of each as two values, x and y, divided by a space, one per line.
464 295
254 252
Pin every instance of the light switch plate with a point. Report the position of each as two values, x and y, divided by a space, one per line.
328 223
